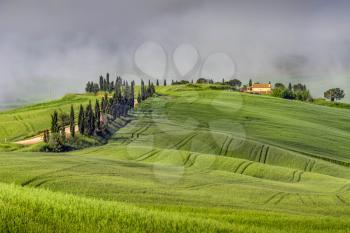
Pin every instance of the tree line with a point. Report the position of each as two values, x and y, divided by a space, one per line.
293 92
93 119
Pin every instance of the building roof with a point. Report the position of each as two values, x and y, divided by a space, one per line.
261 85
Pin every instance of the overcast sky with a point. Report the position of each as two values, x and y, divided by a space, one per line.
46 45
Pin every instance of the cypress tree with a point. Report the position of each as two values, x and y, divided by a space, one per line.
250 82
103 104
46 138
54 122
105 110
132 94
101 82
63 134
164 82
143 91
139 99
81 120
157 83
89 120
290 87
63 130
107 82
97 115
72 122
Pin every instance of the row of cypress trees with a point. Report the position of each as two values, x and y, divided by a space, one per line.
104 84
92 120
145 91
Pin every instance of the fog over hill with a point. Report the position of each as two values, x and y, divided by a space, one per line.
48 48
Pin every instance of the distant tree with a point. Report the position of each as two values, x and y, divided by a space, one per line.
299 87
88 87
106 103
280 86
97 115
54 123
139 99
132 97
164 82
277 92
203 81
143 90
172 82
303 95
250 82
290 87
288 94
46 137
181 82
63 128
95 88
112 86
72 122
107 82
157 83
101 83
55 143
89 120
334 94
81 120
63 134
234 83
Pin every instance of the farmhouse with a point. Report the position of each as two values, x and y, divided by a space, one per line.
259 88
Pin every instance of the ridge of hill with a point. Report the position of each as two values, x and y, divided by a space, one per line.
245 163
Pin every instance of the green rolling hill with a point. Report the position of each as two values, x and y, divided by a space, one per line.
193 159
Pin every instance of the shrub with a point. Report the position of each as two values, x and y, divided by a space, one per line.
55 143
277 92
288 94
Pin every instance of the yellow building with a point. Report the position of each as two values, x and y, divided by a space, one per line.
260 88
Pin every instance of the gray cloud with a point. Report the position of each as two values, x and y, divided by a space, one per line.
46 44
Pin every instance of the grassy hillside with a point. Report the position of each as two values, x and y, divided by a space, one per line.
28 121
194 159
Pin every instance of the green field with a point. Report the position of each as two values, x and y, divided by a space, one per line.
193 159
28 121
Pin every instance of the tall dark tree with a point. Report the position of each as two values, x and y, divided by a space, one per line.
143 90
139 99
250 82
97 115
164 82
46 137
106 104
132 94
157 83
107 82
72 122
89 120
290 87
63 129
101 83
81 120
54 123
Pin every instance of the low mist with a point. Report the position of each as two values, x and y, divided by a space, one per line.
49 48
